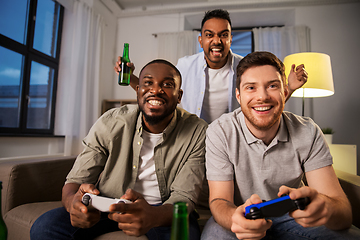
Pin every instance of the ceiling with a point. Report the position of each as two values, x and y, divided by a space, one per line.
126 4
126 8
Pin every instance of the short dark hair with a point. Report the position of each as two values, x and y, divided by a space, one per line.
163 61
256 59
217 13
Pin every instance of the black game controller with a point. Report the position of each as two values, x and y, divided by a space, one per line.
275 208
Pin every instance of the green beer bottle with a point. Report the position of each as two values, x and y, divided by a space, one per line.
180 222
3 229
124 74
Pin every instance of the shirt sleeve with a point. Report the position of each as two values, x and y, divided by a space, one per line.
319 155
218 164
309 142
90 162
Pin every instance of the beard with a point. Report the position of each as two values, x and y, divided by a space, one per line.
156 118
153 120
263 124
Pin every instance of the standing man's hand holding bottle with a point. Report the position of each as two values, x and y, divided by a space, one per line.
125 73
134 81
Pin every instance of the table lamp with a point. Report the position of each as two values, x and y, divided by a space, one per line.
320 80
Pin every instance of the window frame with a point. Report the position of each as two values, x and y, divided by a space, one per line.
29 55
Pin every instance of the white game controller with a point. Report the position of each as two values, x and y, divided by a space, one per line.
101 203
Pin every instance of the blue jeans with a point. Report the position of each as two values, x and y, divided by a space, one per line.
283 228
55 225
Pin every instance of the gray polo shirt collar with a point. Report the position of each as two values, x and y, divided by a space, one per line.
281 136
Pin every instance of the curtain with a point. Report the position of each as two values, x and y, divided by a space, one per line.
78 82
282 41
175 45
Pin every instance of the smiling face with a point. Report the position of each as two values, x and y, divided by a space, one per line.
216 40
261 95
158 93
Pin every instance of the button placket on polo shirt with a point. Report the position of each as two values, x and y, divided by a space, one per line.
265 163
266 155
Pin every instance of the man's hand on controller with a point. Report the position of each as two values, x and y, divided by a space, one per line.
249 228
80 215
133 219
316 213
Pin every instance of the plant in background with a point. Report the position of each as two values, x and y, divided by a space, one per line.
327 130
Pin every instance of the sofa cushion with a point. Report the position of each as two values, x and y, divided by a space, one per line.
351 185
20 219
119 235
33 180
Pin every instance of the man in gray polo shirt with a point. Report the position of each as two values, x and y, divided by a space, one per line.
261 152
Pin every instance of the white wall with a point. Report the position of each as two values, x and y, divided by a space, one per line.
138 32
18 147
334 31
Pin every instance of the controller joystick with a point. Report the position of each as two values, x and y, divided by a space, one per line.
301 203
86 199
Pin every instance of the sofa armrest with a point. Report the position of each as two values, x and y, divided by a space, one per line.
350 183
33 180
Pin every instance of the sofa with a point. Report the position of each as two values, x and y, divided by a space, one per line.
33 186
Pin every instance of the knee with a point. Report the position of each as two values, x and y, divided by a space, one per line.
208 231
48 223
213 231
37 229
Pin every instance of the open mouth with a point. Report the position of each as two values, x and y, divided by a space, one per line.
155 102
263 108
217 52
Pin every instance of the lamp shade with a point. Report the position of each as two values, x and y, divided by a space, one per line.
320 79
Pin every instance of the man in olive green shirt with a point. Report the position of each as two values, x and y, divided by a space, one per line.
151 153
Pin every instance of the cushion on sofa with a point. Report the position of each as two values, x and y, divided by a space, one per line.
351 185
33 180
20 219
119 235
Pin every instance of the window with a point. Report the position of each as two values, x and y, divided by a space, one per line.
242 42
30 35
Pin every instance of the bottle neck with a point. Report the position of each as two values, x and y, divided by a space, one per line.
180 209
125 56
180 224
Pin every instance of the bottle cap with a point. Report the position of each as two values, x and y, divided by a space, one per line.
180 208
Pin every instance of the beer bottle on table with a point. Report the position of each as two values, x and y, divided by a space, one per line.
3 229
124 74
180 222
